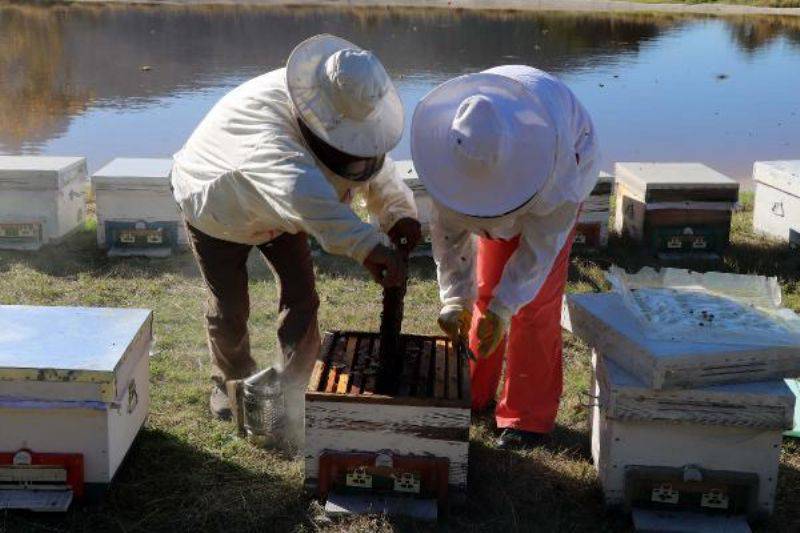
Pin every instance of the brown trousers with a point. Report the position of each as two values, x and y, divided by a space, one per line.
223 265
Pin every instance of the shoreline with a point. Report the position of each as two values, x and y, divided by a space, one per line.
571 6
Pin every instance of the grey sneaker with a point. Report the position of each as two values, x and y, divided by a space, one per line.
219 404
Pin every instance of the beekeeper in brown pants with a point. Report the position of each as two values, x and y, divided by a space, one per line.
224 268
278 158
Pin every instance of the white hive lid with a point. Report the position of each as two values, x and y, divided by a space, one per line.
66 343
133 172
648 176
39 172
782 175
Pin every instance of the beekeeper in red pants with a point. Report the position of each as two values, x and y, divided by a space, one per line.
508 156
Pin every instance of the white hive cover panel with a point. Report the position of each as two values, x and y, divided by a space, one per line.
66 338
719 308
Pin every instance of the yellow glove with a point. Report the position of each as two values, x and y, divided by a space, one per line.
491 331
455 321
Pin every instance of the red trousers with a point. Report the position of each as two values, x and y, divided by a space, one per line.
533 377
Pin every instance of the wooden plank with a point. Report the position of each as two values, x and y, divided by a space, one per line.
373 398
411 357
362 360
464 379
319 365
441 369
334 362
371 371
452 372
423 382
316 375
344 375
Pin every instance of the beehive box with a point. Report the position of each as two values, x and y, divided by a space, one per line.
759 404
794 386
74 381
136 212
41 199
675 208
591 231
777 204
698 451
607 325
428 416
405 169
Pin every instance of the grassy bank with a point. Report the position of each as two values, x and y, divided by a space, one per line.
757 3
190 473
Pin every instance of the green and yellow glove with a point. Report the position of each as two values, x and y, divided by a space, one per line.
455 321
491 332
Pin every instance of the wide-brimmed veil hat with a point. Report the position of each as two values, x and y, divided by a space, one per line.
344 95
483 144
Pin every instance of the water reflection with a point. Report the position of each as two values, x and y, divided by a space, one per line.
72 78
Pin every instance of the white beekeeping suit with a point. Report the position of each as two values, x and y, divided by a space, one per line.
246 176
543 224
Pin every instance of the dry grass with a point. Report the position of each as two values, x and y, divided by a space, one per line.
760 3
190 473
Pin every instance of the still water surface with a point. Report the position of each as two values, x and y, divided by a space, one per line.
722 91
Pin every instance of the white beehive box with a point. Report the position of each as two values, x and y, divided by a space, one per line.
427 419
777 204
655 461
607 325
41 199
762 404
674 208
136 212
74 380
592 229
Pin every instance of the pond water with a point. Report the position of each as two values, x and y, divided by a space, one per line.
722 91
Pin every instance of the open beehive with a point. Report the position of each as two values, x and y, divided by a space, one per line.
361 436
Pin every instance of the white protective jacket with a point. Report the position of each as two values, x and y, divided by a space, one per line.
246 176
544 224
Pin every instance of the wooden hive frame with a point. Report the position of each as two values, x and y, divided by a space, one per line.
428 416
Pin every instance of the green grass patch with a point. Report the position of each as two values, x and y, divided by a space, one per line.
188 472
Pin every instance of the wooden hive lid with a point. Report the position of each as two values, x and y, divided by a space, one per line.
676 182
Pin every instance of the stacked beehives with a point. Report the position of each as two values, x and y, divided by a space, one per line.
592 230
675 210
687 411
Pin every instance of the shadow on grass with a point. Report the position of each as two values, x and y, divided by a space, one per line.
512 491
167 485
787 502
78 254
745 255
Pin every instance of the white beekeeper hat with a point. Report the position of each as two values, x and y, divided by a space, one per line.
344 95
483 144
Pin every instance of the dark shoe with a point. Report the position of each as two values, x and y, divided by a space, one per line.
219 403
512 439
